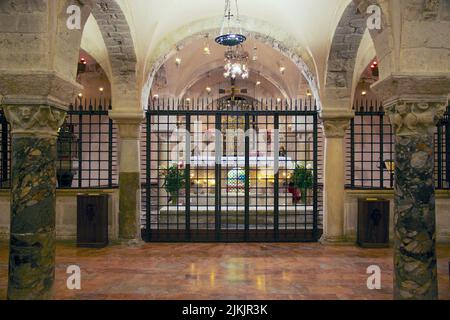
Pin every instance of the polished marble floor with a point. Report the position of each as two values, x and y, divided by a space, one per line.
225 271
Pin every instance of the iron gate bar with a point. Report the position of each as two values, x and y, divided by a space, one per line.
369 112
352 153
315 177
276 203
439 158
148 190
218 177
80 150
447 146
187 177
247 177
381 165
5 151
255 207
110 153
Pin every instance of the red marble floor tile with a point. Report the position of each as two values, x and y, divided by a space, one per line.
225 271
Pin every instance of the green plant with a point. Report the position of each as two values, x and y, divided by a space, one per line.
174 180
303 179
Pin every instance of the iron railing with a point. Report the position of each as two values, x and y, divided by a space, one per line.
370 149
5 152
93 151
230 195
86 148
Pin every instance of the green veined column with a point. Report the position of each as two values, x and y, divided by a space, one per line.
33 189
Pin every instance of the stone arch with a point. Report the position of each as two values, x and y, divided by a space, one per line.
117 36
254 29
345 47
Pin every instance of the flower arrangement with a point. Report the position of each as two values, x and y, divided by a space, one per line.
174 181
302 178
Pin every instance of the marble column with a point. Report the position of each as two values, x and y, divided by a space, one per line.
415 272
32 236
335 124
129 174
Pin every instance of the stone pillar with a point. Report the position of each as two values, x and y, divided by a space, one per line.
32 238
129 174
335 124
414 123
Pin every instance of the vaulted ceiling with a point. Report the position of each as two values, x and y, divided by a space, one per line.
307 27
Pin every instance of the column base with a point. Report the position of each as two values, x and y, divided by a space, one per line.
132 242
335 241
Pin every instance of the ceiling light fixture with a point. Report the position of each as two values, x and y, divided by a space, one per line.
236 63
206 49
231 30
255 54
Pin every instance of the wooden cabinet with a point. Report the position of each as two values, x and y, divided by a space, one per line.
373 223
92 221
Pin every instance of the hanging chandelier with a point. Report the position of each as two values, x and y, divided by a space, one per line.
231 31
236 63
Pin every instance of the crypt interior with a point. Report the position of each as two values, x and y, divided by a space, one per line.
270 150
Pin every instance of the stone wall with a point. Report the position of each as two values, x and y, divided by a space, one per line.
66 213
351 212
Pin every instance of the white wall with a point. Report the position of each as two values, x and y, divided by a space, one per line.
66 213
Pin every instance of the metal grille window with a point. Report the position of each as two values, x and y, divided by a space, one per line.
5 152
442 159
87 147
370 150
210 177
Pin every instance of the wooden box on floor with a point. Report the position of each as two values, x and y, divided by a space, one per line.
92 221
373 223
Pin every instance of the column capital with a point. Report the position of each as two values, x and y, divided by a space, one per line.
34 119
336 122
415 118
129 123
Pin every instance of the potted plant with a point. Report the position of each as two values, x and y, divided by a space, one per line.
66 148
174 182
302 180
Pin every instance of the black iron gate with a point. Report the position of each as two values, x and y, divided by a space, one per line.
232 171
